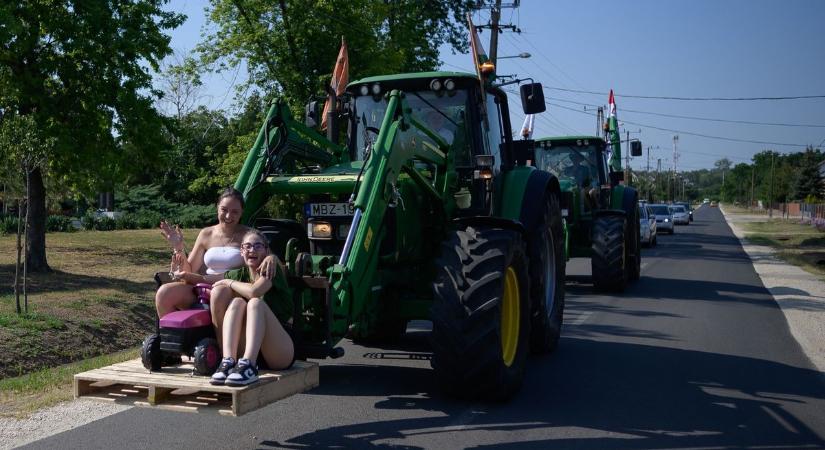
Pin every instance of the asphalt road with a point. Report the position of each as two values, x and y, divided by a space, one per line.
694 355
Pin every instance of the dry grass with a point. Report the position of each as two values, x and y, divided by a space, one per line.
798 244
97 300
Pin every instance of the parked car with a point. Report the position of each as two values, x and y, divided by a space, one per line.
680 216
706 201
647 225
664 219
713 204
688 208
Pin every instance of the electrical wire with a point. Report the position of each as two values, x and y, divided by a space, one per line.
690 133
707 119
655 97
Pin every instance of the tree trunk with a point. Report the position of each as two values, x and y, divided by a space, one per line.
36 228
19 249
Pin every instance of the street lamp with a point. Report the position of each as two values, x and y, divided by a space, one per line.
520 55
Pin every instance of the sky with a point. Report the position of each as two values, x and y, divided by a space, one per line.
688 49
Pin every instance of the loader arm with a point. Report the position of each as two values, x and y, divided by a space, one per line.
353 278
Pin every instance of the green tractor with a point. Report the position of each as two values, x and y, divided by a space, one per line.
426 210
601 215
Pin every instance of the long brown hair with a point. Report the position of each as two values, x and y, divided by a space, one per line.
231 192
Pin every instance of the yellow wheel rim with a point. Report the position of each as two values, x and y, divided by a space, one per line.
510 314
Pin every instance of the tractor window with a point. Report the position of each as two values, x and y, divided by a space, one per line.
495 135
442 113
575 162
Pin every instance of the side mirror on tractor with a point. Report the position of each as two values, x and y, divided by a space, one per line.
532 98
635 148
312 116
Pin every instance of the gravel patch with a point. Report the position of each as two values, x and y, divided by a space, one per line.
800 294
53 420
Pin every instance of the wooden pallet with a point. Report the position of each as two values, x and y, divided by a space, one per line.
175 388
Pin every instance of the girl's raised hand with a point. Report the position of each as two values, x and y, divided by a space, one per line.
173 235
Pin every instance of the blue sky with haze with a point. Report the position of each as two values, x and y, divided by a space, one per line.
722 48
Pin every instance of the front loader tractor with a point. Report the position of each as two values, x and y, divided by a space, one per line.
601 215
426 209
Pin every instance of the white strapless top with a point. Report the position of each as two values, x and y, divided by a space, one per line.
220 259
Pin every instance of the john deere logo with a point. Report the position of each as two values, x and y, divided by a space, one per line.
368 239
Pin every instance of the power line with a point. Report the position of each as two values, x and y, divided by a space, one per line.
708 136
654 97
707 119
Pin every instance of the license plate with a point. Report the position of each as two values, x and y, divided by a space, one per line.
329 209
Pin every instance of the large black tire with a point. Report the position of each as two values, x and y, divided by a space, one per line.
150 353
634 250
206 356
608 259
545 248
481 314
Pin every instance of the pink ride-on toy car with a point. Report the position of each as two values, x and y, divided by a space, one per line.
187 332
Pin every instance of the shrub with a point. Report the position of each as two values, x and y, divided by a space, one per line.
88 221
104 223
126 221
59 223
8 225
147 219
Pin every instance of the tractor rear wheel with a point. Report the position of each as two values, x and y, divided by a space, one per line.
481 314
608 260
546 269
207 356
150 353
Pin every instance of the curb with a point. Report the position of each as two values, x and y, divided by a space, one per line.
799 294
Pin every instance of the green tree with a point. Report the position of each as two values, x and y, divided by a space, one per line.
289 47
81 70
809 181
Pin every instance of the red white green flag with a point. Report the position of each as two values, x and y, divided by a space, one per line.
340 78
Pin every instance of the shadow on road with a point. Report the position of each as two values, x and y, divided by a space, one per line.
620 396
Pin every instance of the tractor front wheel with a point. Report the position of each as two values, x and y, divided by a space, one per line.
608 260
481 314
206 356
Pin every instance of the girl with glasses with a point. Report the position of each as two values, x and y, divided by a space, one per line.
258 306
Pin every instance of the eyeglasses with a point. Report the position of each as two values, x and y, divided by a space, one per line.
249 246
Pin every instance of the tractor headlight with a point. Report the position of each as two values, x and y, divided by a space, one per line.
364 89
435 84
449 84
320 230
376 89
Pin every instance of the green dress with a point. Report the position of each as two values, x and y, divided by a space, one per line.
278 297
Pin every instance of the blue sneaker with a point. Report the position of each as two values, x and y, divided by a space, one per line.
244 373
219 377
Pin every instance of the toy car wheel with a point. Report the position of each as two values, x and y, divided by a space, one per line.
150 354
206 356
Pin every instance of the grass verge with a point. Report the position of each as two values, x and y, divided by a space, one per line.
20 396
796 243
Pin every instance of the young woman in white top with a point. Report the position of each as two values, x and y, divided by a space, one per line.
217 249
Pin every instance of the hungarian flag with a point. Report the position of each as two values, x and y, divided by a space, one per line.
479 55
340 78
615 140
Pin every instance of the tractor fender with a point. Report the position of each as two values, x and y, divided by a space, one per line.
490 221
539 184
521 192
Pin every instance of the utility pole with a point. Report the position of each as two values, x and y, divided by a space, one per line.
753 177
675 159
599 121
770 192
495 15
627 158
494 25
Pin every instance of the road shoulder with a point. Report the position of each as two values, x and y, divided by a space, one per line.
799 294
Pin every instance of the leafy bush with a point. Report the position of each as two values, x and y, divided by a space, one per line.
59 223
105 223
126 221
194 216
88 221
8 225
